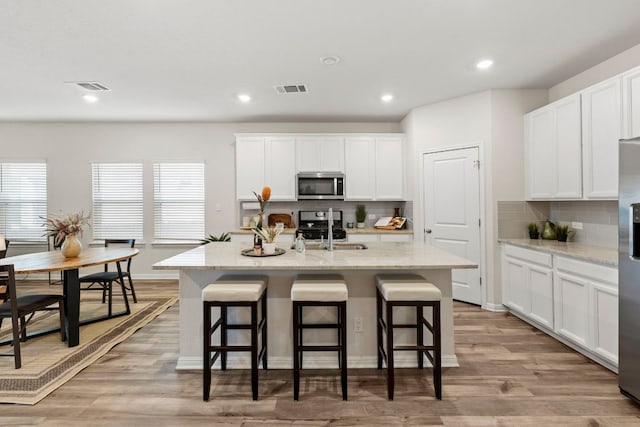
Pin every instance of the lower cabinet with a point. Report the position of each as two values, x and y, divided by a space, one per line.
573 300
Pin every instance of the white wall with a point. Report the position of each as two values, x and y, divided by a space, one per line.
615 65
70 148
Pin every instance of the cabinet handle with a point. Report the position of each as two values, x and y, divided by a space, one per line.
427 230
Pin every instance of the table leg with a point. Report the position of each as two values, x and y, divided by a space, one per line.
72 306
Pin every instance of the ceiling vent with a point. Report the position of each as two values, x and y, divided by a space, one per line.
285 89
92 86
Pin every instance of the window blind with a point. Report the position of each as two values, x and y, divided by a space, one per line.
23 200
178 200
117 201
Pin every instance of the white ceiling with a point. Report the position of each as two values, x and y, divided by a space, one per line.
188 60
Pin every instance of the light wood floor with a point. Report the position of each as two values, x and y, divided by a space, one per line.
509 374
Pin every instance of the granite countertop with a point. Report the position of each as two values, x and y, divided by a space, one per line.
369 230
378 256
597 254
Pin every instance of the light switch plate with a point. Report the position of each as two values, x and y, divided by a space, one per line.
372 216
576 225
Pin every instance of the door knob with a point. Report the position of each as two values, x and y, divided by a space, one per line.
427 230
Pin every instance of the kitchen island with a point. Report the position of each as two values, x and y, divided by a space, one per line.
203 265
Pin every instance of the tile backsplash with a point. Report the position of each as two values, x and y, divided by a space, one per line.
599 219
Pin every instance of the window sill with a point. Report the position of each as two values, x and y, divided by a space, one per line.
168 243
100 243
27 243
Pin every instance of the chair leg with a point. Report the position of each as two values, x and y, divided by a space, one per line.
254 350
420 335
133 291
390 361
296 351
206 353
63 326
223 337
437 369
16 343
23 329
379 327
110 296
343 346
300 336
264 330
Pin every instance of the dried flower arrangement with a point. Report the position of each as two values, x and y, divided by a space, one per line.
263 199
268 234
65 226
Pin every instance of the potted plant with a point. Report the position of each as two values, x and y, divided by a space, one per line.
224 237
65 231
533 231
268 236
361 216
562 232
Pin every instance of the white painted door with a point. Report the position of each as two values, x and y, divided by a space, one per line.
452 213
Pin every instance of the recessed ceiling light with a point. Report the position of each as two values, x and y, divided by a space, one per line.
386 98
330 60
484 64
91 99
243 97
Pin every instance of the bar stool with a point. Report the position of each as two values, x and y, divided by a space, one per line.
319 291
408 290
234 291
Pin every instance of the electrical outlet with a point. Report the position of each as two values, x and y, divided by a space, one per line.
576 225
357 324
372 216
218 207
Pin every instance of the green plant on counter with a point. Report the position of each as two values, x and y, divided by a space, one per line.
224 237
361 213
562 232
533 227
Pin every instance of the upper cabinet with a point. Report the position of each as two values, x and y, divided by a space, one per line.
320 154
631 103
264 161
374 167
553 151
373 164
601 130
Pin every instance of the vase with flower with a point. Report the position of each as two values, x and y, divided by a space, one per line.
268 237
65 231
263 199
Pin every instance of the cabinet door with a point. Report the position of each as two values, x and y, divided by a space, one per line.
389 167
249 167
572 308
568 154
540 163
280 167
320 154
631 103
517 296
604 314
359 168
601 129
541 288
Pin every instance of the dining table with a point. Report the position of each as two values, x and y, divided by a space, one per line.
44 262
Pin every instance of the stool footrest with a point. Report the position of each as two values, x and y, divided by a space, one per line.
230 348
319 348
319 325
414 348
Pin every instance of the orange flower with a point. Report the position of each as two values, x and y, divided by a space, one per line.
266 193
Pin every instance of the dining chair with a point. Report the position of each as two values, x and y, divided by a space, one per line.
3 249
103 281
17 308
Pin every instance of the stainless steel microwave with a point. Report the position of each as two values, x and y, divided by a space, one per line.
320 186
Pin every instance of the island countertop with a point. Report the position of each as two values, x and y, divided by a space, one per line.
379 256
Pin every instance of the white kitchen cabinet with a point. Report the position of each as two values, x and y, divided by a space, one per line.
264 161
553 163
389 160
359 168
631 103
280 169
528 283
374 168
250 167
588 306
601 130
320 154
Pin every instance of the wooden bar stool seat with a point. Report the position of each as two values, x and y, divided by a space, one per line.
234 291
319 291
408 290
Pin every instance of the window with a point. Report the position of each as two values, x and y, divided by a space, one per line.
23 200
178 200
117 201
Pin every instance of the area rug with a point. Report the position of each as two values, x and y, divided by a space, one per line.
47 362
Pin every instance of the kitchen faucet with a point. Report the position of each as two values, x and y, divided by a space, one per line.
330 231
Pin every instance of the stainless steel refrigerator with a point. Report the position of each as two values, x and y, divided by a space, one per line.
629 268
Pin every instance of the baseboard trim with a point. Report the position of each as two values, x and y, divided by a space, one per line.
312 362
496 308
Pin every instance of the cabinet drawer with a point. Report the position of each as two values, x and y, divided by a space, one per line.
588 270
528 255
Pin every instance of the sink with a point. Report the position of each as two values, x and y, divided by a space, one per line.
336 246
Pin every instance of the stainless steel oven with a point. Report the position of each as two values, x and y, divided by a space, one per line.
320 186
